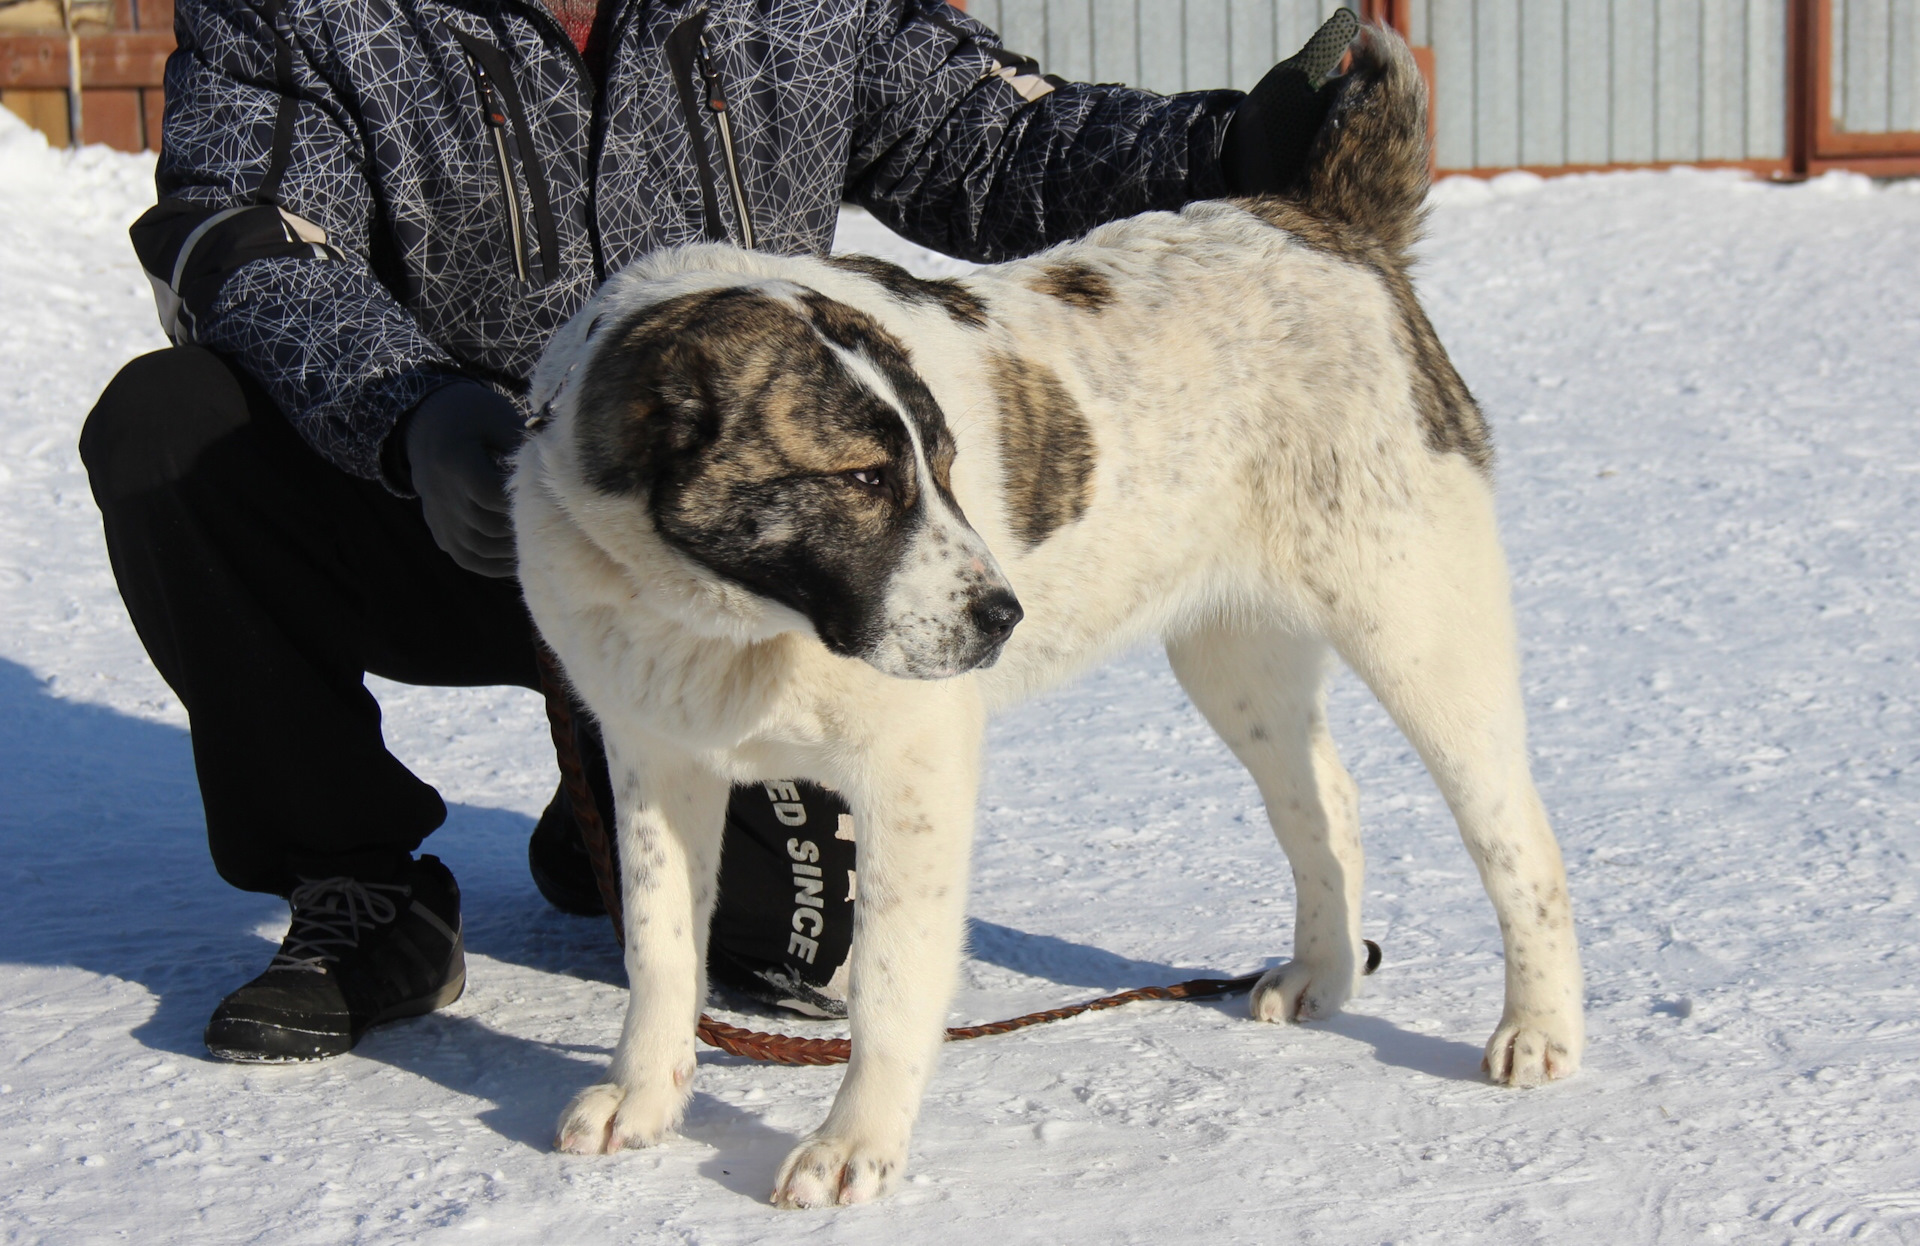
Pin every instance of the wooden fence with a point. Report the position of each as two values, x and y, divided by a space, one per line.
123 55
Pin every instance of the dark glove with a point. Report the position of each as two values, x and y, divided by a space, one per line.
1265 152
458 443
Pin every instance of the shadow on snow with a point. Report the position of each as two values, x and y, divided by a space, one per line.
103 852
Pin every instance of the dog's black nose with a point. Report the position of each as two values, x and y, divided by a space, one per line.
995 614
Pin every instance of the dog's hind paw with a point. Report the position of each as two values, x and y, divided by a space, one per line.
1297 991
825 1171
1531 1054
606 1117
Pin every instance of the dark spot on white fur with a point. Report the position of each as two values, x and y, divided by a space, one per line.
1046 448
1077 285
962 305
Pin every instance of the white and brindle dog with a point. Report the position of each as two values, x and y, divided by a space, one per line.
818 518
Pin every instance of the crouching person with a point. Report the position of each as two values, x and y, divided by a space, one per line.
371 219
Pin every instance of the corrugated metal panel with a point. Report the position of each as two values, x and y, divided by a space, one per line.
1905 63
1208 32
1116 40
1766 86
1723 114
1631 92
1677 78
1453 85
1496 80
1552 82
1876 66
1543 85
1069 40
1417 22
1250 47
1163 45
1587 85
1533 82
1586 58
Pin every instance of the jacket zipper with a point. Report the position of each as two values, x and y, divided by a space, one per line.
502 108
682 47
717 105
537 13
495 115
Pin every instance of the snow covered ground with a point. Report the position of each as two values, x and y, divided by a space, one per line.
1707 398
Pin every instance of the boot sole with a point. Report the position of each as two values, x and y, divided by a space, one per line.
258 1042
454 988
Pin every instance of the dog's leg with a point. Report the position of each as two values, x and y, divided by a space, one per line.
670 818
1264 693
1431 631
916 830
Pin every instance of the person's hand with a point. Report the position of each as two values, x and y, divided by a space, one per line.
1265 152
458 442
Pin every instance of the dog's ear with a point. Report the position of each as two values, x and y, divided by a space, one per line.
645 406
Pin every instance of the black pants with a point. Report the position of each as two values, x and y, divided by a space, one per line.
266 583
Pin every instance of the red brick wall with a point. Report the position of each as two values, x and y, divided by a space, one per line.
120 76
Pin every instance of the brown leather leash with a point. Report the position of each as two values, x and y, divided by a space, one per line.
788 1048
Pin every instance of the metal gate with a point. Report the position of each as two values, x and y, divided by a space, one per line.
1865 84
1593 83
1783 87
1162 45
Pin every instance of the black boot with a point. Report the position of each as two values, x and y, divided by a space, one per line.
556 853
557 858
357 954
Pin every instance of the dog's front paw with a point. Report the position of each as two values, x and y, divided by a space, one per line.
1533 1052
1299 991
824 1171
607 1117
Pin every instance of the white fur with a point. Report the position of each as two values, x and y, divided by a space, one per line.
1263 498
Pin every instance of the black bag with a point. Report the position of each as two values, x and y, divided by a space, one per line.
784 921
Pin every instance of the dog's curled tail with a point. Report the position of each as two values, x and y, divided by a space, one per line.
1367 168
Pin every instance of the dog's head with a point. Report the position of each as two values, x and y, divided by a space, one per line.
783 442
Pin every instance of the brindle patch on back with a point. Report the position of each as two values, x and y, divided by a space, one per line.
1317 233
1076 284
961 304
1449 417
1046 449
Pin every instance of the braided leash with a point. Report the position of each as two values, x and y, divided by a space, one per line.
586 810
788 1048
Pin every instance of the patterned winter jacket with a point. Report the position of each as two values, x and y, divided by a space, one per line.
361 202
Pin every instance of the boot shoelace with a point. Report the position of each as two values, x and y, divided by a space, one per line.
329 915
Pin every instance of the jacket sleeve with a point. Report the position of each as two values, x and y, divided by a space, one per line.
259 247
964 147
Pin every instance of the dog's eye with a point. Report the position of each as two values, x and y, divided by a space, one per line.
872 479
